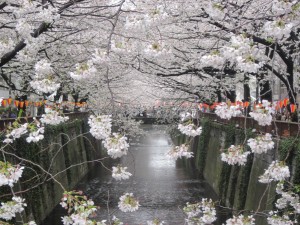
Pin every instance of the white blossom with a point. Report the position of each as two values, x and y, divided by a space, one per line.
9 174
275 219
178 152
277 171
53 117
16 133
277 29
241 220
261 144
100 126
213 60
36 136
225 111
155 222
287 198
116 145
44 80
235 155
202 212
120 173
84 71
190 129
8 210
128 203
263 114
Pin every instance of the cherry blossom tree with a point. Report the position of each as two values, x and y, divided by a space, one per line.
107 50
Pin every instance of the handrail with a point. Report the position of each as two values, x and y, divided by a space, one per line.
8 121
284 129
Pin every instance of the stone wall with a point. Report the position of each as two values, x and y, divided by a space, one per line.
67 153
238 186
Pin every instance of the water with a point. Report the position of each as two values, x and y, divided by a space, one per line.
161 185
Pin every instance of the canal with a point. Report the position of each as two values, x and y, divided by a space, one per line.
161 185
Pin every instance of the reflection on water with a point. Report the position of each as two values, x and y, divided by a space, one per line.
161 186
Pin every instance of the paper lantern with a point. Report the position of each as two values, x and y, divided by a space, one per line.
17 103
293 107
4 102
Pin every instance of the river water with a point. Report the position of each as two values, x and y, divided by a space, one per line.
161 185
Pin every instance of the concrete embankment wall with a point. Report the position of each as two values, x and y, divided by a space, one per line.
238 186
64 154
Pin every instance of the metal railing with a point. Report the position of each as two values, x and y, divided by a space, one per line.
283 128
8 121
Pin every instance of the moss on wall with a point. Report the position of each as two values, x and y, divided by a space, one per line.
60 149
238 186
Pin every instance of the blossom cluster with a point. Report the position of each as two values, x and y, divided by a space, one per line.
287 198
275 219
261 144
8 210
226 111
128 203
36 135
241 220
242 52
9 174
120 173
44 80
202 212
213 60
79 208
263 114
53 117
277 171
277 29
235 155
16 132
190 129
155 222
84 71
116 145
100 126
179 152
34 130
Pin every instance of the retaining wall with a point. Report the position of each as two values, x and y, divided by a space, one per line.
64 154
238 186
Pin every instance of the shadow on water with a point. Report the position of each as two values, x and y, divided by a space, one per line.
161 185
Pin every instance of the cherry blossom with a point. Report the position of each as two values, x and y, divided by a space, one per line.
226 111
79 208
8 210
287 198
16 132
10 174
178 152
44 80
155 222
190 129
100 126
36 135
202 212
235 155
241 220
263 114
277 171
84 71
128 203
120 173
53 117
277 29
116 145
275 219
261 144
